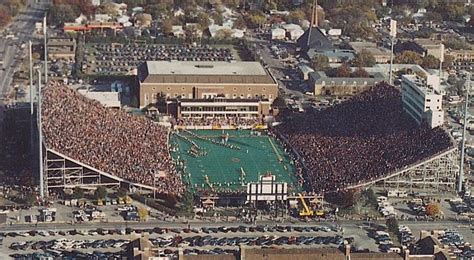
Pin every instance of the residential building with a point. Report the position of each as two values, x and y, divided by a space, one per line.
278 34
431 47
338 86
421 99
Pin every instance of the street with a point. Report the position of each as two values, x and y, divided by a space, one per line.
22 27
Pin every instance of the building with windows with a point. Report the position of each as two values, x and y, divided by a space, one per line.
325 85
207 88
61 48
422 100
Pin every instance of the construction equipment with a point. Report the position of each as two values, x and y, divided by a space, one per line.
306 211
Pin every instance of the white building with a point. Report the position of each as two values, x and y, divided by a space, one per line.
278 34
421 99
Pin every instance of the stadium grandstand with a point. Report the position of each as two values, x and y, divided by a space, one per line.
89 145
368 139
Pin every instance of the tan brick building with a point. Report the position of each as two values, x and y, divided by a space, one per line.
61 48
207 86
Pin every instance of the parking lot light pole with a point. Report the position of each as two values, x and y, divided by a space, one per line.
463 142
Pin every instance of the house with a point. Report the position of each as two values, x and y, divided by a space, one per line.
143 20
177 31
278 34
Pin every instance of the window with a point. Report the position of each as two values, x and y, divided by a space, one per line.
235 89
428 100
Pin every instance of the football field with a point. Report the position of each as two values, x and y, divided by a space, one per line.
226 160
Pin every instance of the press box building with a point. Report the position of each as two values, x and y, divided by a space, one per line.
421 99
214 89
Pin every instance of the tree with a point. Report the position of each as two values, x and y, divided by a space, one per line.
364 59
296 16
240 23
430 62
122 192
203 21
343 71
61 14
142 213
360 73
257 18
167 26
392 225
432 209
100 192
319 62
5 18
408 57
78 193
448 61
218 18
456 44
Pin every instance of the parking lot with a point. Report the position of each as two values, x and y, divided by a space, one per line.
193 240
114 59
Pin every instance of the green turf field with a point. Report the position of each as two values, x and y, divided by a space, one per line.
255 155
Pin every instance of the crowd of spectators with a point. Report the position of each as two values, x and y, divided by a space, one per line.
361 139
130 147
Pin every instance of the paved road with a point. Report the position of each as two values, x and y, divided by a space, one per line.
22 27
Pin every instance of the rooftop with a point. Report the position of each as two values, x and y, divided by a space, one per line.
205 68
420 83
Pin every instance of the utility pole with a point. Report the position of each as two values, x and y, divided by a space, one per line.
40 137
463 142
31 102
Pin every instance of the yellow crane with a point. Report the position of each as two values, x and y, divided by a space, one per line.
306 211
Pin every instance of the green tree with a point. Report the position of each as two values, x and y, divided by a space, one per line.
430 62
392 225
296 16
364 59
78 193
100 192
456 44
408 57
319 62
257 18
279 102
60 14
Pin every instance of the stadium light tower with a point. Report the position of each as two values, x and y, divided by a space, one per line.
31 101
45 32
40 137
463 142
393 34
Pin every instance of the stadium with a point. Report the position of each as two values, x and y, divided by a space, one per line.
365 140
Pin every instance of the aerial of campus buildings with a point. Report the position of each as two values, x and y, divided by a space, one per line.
211 129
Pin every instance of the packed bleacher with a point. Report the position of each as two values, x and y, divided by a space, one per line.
361 139
112 141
